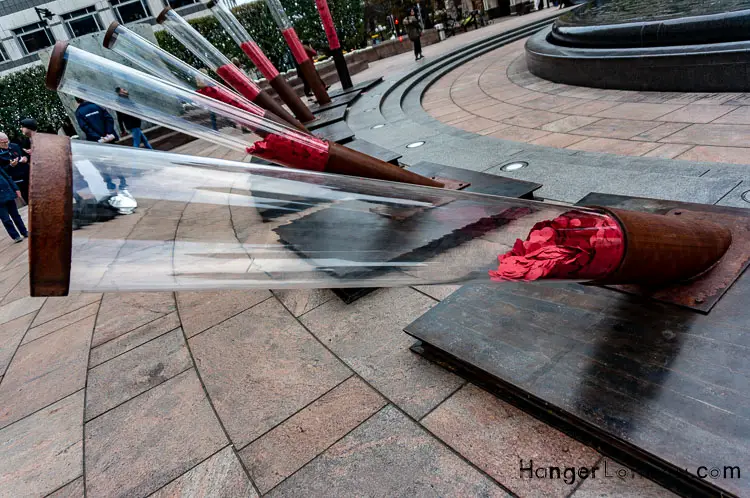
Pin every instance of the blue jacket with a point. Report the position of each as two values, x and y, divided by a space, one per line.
95 121
8 187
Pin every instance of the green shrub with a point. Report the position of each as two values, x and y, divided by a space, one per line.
23 95
255 17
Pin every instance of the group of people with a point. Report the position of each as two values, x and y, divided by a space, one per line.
15 165
15 159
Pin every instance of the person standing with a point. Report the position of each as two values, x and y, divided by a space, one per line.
8 210
414 30
131 123
95 122
16 164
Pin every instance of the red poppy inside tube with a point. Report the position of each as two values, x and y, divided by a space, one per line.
578 245
238 80
295 151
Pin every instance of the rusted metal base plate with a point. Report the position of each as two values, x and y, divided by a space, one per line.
450 183
704 291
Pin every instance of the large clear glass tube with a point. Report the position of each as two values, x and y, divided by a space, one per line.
207 53
328 26
287 31
147 220
246 42
162 64
88 76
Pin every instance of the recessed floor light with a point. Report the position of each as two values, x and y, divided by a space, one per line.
746 196
514 166
377 126
414 145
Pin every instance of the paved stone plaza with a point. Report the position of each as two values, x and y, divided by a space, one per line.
496 95
294 393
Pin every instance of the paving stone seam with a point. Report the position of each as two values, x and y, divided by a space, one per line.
135 328
313 308
730 191
40 409
353 374
58 489
333 443
582 481
425 294
193 467
12 286
85 393
464 383
87 420
203 384
58 329
393 403
128 350
66 313
20 343
228 318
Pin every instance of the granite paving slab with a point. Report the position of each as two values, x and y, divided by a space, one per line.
389 455
290 445
202 310
339 100
497 437
327 117
368 336
338 132
140 369
60 322
45 371
220 476
43 452
74 489
262 366
616 480
571 184
300 301
133 339
57 306
143 444
19 308
122 312
11 334
19 291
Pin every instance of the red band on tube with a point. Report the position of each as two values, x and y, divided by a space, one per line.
325 16
292 40
575 245
265 66
238 80
292 153
224 95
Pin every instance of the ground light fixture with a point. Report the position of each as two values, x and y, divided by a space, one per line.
514 166
414 145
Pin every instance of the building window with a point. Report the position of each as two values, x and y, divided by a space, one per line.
130 10
82 22
175 4
34 37
3 54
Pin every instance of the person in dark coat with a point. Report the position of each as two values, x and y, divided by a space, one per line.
8 210
15 162
95 122
131 123
414 30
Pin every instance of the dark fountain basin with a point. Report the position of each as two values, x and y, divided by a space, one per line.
669 45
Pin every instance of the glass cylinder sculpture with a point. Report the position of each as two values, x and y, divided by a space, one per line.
107 218
162 64
88 76
304 63
219 63
238 33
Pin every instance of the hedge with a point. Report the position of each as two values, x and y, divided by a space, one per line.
23 95
256 18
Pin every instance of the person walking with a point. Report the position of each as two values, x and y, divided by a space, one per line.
131 123
8 210
414 30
